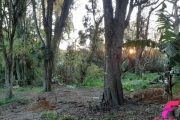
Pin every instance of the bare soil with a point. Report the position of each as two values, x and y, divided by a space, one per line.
76 102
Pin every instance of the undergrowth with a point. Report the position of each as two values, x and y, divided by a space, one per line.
53 115
130 81
5 101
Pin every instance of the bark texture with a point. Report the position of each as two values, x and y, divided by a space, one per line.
115 22
114 31
51 43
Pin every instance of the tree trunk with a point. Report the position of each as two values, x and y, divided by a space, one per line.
51 42
114 32
47 75
113 86
8 80
115 23
18 69
137 61
138 49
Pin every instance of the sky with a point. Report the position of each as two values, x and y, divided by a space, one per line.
78 13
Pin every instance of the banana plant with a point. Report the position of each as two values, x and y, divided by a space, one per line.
170 45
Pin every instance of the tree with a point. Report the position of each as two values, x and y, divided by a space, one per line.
50 44
142 26
93 32
10 15
115 23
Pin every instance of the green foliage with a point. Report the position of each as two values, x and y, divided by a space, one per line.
132 82
5 101
22 89
37 89
165 26
58 78
2 90
19 89
124 65
169 44
94 77
49 115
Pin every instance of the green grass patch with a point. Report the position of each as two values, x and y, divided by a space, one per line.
5 101
37 89
2 90
53 115
20 89
91 82
133 82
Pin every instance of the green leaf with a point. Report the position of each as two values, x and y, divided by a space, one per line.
124 65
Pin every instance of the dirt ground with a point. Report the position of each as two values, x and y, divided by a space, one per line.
75 102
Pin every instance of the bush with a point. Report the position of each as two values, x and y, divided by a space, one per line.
131 81
94 76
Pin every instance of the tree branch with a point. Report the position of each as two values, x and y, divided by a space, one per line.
35 20
150 12
131 7
60 21
147 5
140 3
43 13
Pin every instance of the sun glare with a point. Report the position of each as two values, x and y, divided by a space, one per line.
131 51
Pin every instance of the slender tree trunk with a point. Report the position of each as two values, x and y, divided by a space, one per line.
138 49
18 69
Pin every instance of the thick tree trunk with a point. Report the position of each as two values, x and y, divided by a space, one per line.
113 86
115 22
8 80
47 75
114 32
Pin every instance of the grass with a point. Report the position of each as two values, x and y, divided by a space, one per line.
53 115
37 89
2 90
130 82
5 101
91 82
22 89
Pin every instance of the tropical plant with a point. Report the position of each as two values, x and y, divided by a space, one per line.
170 45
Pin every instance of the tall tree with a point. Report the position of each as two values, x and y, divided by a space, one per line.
115 22
142 26
10 14
93 32
51 42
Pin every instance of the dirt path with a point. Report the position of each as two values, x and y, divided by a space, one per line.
73 101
